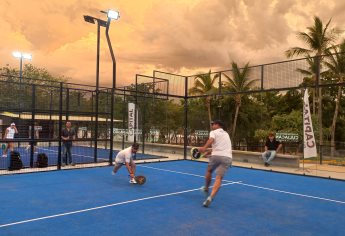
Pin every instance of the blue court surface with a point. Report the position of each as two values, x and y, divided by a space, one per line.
81 155
94 202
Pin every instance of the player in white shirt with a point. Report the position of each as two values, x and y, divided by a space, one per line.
125 157
9 134
220 159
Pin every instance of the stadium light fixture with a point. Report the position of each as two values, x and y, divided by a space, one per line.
21 56
114 15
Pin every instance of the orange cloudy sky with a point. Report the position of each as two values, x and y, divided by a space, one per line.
178 36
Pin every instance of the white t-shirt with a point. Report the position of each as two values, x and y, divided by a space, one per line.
124 155
221 145
10 133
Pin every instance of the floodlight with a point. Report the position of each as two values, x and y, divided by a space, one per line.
27 56
17 54
115 15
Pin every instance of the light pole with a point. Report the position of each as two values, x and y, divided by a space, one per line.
112 15
92 20
21 56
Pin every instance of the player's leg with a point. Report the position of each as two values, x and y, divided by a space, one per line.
117 166
208 178
4 153
216 186
208 175
222 164
133 166
11 146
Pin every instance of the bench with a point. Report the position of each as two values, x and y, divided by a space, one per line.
283 160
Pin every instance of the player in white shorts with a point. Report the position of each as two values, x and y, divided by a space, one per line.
125 157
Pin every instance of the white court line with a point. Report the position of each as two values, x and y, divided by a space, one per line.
73 154
105 206
253 186
292 193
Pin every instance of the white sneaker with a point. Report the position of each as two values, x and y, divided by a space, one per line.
203 190
207 202
113 173
4 155
132 181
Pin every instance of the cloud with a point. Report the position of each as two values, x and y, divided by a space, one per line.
182 36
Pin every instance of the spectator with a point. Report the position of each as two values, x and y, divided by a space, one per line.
272 146
67 135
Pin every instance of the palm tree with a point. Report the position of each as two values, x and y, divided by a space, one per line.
336 65
319 39
310 77
204 85
240 82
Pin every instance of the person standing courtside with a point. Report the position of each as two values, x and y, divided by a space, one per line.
220 159
9 135
67 135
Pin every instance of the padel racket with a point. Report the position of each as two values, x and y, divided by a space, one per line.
140 179
196 154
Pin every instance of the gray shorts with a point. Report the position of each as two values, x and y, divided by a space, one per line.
220 164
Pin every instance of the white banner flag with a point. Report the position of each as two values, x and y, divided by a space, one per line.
131 121
308 132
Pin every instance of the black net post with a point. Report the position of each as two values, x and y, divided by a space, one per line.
32 131
60 126
185 141
96 125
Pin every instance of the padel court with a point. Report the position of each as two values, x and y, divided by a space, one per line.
94 202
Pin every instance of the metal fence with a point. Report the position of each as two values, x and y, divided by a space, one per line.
170 117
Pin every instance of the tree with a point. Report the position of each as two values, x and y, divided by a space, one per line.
310 77
336 65
239 83
204 85
319 39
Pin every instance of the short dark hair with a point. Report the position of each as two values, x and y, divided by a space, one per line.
135 146
218 122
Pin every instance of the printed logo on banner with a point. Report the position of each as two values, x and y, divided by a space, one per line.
131 121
